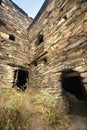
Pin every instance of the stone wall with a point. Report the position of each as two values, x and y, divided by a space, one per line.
13 41
56 46
63 25
14 18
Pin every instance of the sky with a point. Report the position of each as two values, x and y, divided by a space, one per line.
31 7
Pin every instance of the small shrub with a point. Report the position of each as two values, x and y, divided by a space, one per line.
46 107
13 114
51 116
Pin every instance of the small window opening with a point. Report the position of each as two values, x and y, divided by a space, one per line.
2 23
35 63
65 17
45 60
72 83
61 9
48 13
12 37
39 40
20 79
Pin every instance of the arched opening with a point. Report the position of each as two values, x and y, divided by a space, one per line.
72 83
20 79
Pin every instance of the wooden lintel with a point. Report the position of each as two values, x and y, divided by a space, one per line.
72 74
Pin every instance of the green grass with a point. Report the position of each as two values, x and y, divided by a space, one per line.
13 114
46 107
19 111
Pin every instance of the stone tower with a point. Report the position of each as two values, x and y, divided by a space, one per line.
58 49
53 50
13 41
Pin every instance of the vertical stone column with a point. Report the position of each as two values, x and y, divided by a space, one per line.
83 73
6 76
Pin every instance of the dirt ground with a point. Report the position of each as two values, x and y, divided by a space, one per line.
78 112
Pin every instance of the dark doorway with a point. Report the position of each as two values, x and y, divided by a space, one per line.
75 94
20 79
72 83
0 2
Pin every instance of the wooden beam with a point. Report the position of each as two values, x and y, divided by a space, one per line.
72 74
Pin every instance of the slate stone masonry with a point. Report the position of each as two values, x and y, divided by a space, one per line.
63 25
